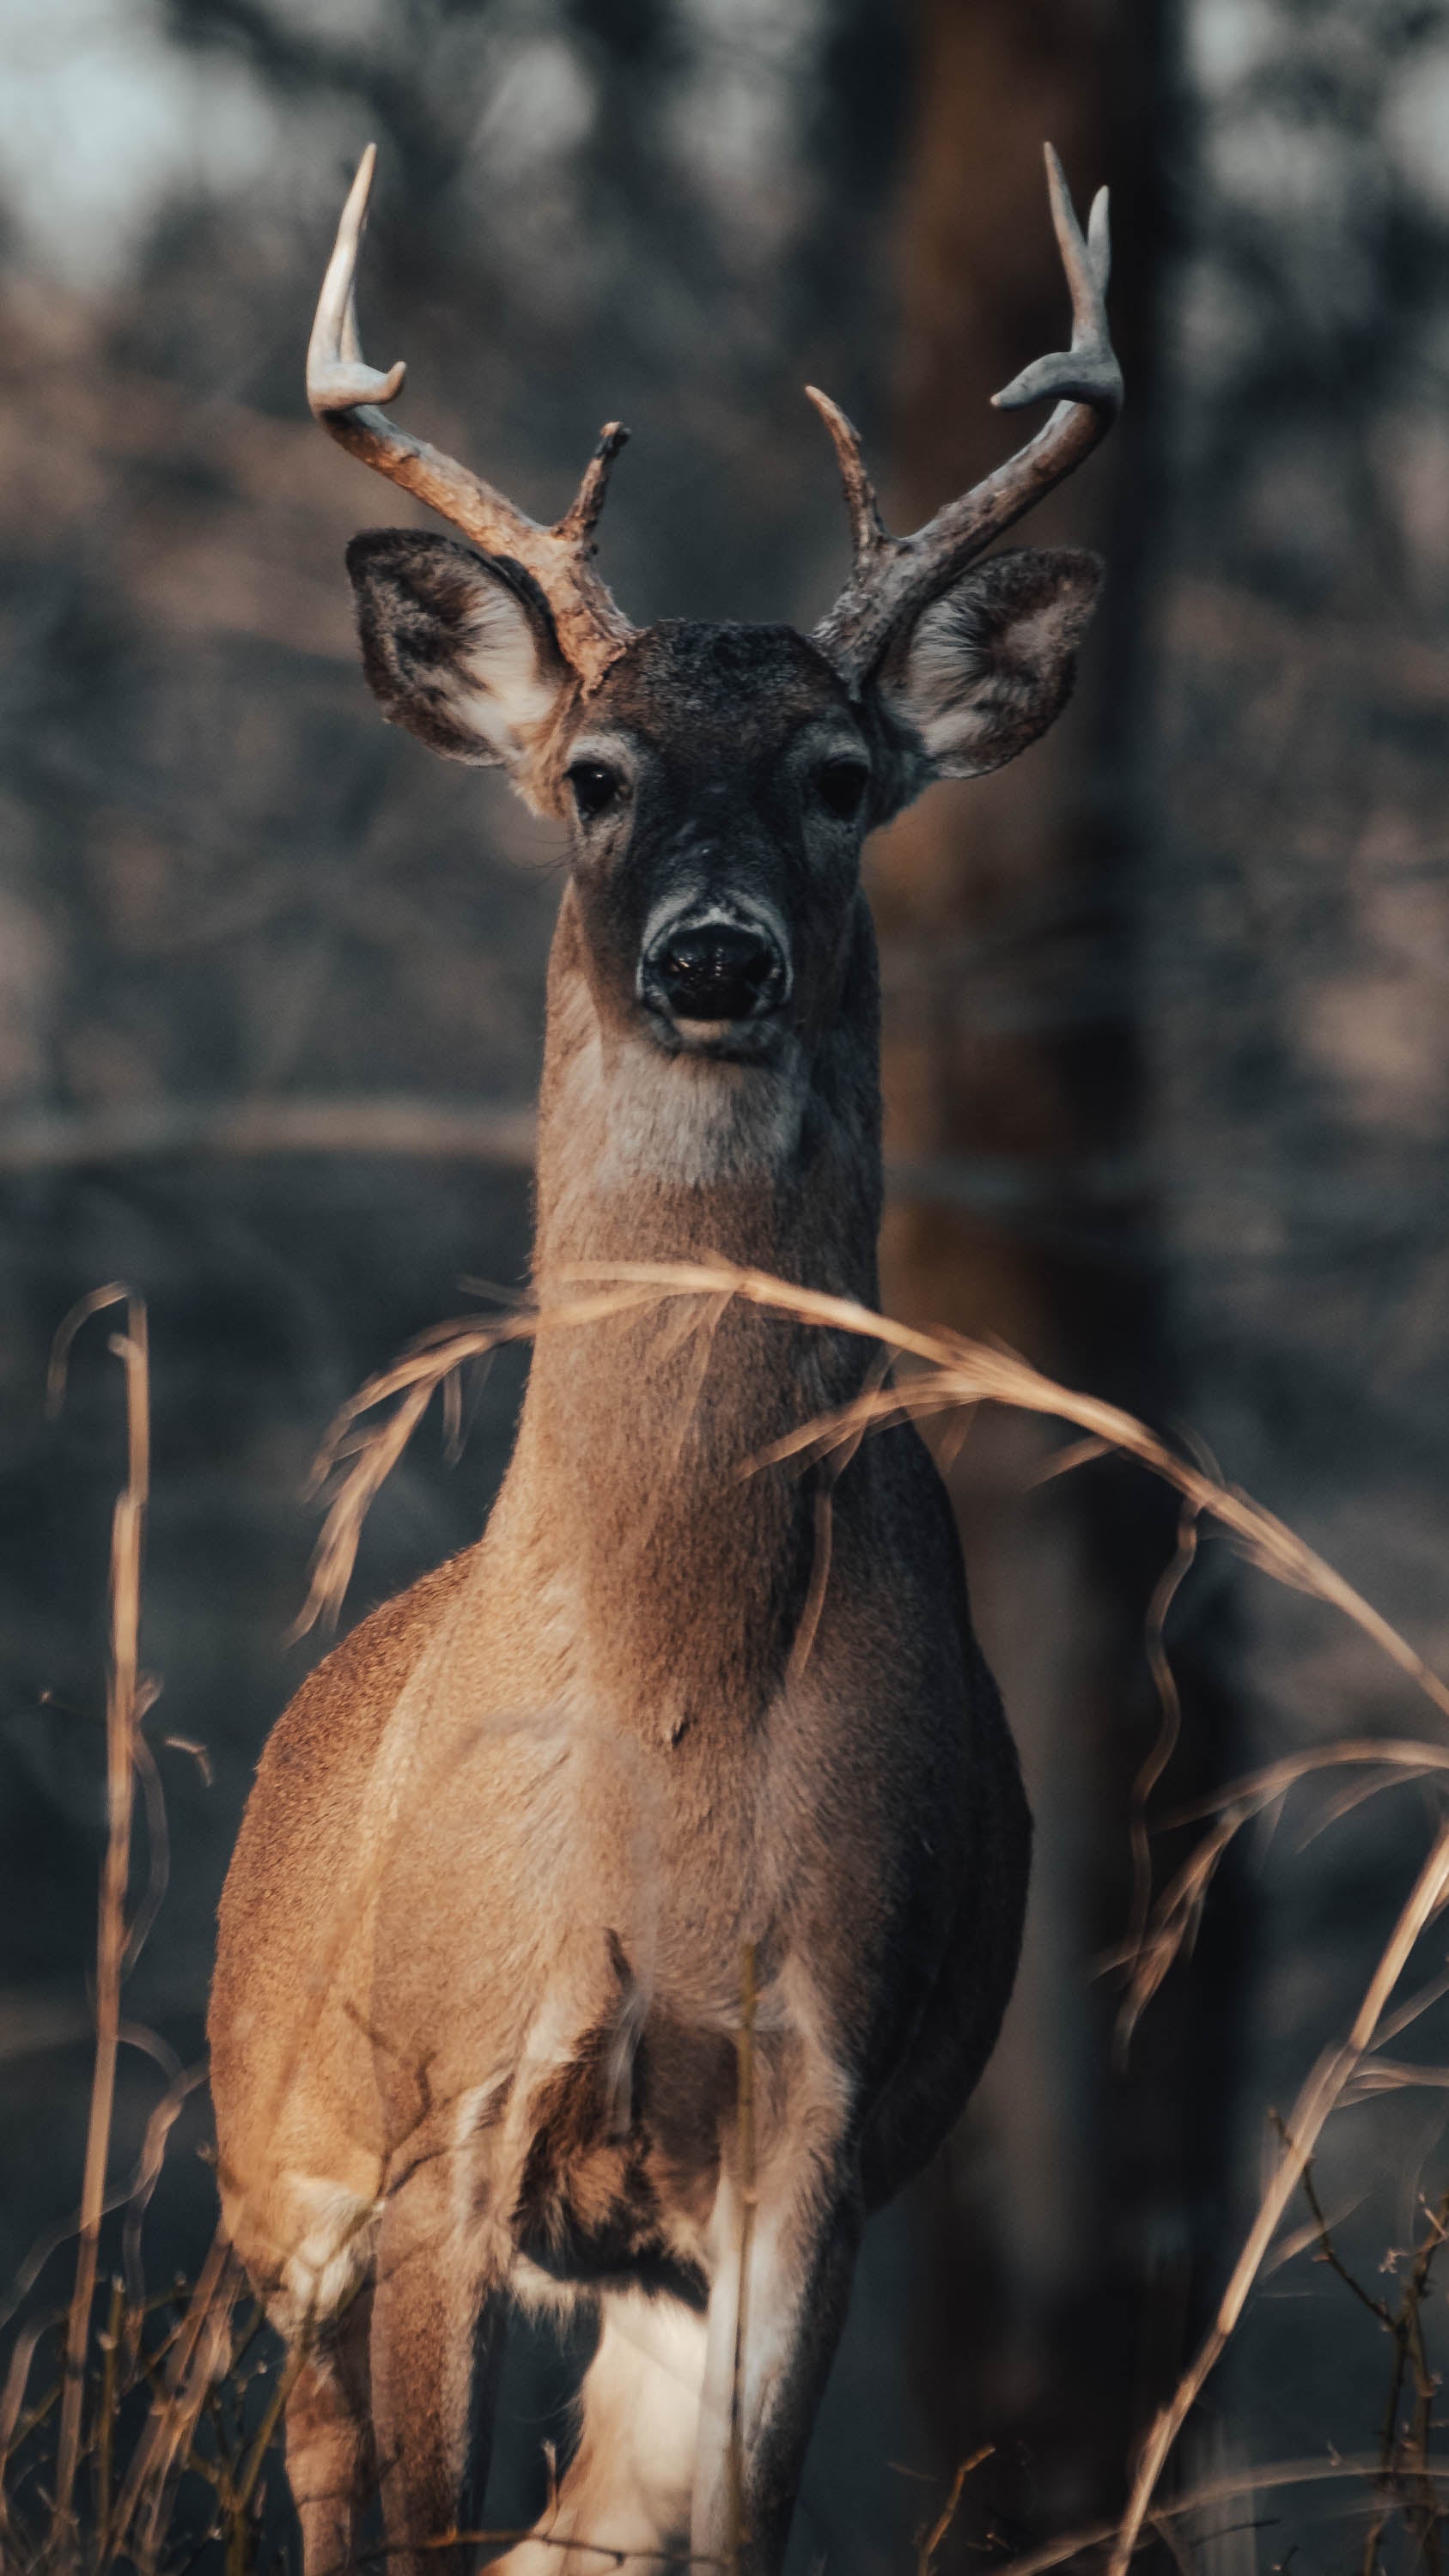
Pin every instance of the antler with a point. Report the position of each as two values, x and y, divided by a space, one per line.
893 576
344 391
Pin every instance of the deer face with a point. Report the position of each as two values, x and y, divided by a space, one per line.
717 785
717 780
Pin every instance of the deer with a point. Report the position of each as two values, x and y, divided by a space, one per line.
537 1843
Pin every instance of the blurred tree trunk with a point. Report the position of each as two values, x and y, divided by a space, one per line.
1065 2230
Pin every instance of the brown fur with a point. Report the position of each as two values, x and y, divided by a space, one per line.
477 1997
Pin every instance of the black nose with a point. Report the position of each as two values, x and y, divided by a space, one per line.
718 971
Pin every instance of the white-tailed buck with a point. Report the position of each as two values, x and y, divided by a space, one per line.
477 2006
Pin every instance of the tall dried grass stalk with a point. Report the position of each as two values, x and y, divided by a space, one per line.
1406 2479
935 2532
122 1717
1320 2096
137 2522
955 1372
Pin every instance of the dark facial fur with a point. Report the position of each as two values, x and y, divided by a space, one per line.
721 785
719 780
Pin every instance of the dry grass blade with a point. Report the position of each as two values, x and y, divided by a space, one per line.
337 1548
959 1372
122 1717
410 1384
1320 2096
830 1470
967 1372
135 2522
127 2195
184 2083
1164 1679
1178 1911
935 2532
12 2397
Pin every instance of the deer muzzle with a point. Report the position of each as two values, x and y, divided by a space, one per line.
714 974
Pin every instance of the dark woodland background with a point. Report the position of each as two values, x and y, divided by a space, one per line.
1167 1032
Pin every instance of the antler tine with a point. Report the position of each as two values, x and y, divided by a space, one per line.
337 376
1087 372
893 577
344 394
581 517
867 528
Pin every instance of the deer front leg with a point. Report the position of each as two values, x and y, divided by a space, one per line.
329 2442
764 2380
437 2339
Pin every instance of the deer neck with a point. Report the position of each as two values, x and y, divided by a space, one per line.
633 1470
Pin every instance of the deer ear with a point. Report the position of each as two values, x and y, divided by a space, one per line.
456 646
989 665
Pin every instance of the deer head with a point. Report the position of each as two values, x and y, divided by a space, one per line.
719 780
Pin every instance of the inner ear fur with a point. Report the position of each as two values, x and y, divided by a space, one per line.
459 647
990 664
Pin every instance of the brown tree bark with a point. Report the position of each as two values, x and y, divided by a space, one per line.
1067 2228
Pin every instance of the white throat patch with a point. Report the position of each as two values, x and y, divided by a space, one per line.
692 1119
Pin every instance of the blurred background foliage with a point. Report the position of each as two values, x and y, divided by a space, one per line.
1167 1006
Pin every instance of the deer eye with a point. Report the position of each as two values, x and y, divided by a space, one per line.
594 786
841 785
